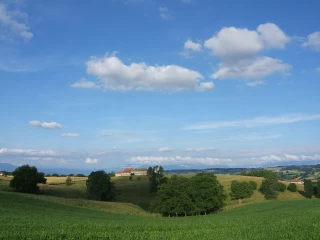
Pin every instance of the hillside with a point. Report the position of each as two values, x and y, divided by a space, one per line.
137 191
23 217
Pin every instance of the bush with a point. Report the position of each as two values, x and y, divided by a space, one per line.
253 185
281 187
240 190
68 181
269 188
292 187
26 178
100 187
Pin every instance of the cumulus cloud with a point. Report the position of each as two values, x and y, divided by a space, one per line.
165 149
285 157
164 13
239 48
256 122
15 22
179 160
69 135
47 125
190 45
313 41
291 157
91 160
83 83
115 75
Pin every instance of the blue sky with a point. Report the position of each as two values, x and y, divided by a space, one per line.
139 82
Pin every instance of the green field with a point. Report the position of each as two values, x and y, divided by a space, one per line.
24 217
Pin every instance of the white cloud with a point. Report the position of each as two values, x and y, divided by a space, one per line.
15 22
164 13
248 69
190 45
200 149
48 125
239 48
165 149
106 134
256 122
178 159
91 160
291 157
69 135
27 152
313 41
314 157
115 75
83 83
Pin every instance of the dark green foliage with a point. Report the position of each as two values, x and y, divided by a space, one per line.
55 175
130 178
112 174
71 175
68 181
263 173
269 188
80 175
241 190
317 192
48 175
181 196
62 175
281 187
253 185
156 177
292 187
308 188
26 178
5 173
100 187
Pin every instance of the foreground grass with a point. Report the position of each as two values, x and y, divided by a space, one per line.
23 217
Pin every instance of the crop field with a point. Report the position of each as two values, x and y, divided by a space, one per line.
24 217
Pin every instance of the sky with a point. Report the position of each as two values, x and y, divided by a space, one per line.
189 83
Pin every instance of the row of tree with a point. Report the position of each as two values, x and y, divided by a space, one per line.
181 196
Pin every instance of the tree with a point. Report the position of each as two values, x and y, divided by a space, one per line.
26 178
253 185
100 187
308 188
156 177
68 181
281 187
48 175
269 188
241 190
71 175
292 187
55 175
5 173
80 175
317 194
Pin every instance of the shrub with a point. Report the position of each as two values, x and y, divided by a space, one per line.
68 181
269 188
281 187
292 187
253 185
240 190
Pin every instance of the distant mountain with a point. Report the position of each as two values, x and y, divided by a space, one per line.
7 167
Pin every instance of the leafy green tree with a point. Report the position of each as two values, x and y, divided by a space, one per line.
253 185
317 193
71 175
208 194
112 174
292 187
80 175
68 181
269 188
308 188
48 175
100 187
5 173
241 190
156 177
281 187
55 175
26 178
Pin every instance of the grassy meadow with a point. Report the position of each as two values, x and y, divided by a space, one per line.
32 217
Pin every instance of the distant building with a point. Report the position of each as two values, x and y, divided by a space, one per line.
296 181
140 171
135 171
